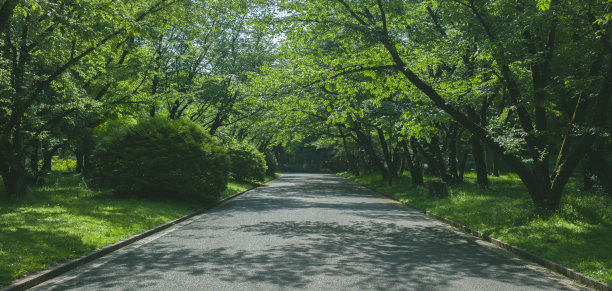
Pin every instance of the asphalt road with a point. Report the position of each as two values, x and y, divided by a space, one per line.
309 232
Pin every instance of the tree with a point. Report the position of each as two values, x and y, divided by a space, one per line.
41 43
526 60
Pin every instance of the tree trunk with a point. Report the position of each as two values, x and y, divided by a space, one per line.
462 164
388 157
366 142
416 171
15 182
89 167
452 151
479 155
495 165
48 157
34 157
351 160
437 161
479 163
13 172
601 169
79 158
587 177
46 166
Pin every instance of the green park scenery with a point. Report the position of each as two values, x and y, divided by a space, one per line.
116 116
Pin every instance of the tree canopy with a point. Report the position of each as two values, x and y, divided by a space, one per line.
384 85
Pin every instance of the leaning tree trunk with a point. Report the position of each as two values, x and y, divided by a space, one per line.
416 172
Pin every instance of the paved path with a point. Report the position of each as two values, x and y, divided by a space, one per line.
307 231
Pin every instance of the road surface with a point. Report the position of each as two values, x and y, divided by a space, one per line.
309 232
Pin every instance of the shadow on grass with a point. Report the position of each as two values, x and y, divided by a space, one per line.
64 219
44 248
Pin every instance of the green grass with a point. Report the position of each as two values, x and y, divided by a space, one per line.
578 235
234 187
66 219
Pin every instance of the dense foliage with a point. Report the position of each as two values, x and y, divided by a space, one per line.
162 158
271 162
420 83
432 88
247 163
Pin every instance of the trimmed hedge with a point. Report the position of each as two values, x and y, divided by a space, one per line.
162 158
247 163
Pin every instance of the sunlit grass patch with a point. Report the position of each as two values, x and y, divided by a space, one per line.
66 219
234 187
578 235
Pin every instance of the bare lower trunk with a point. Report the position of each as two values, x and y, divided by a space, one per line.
479 163
416 171
88 158
462 164
15 179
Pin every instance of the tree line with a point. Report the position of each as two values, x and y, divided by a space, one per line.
67 67
434 87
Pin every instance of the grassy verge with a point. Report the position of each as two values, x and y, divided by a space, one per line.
577 236
66 220
234 187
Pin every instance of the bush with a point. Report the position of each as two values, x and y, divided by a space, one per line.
162 158
248 164
271 162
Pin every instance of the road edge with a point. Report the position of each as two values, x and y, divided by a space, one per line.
45 275
555 267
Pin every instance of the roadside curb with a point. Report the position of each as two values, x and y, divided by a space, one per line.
558 268
35 279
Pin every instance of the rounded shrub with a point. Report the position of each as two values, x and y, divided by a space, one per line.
247 163
162 158
271 162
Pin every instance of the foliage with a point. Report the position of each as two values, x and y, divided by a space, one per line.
419 68
247 163
63 164
162 158
235 187
576 236
271 162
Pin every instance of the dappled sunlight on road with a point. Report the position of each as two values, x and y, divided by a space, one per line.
311 232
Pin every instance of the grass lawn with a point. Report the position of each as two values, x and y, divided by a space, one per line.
237 187
66 219
579 235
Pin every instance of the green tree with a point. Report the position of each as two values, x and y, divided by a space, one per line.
41 46
550 101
